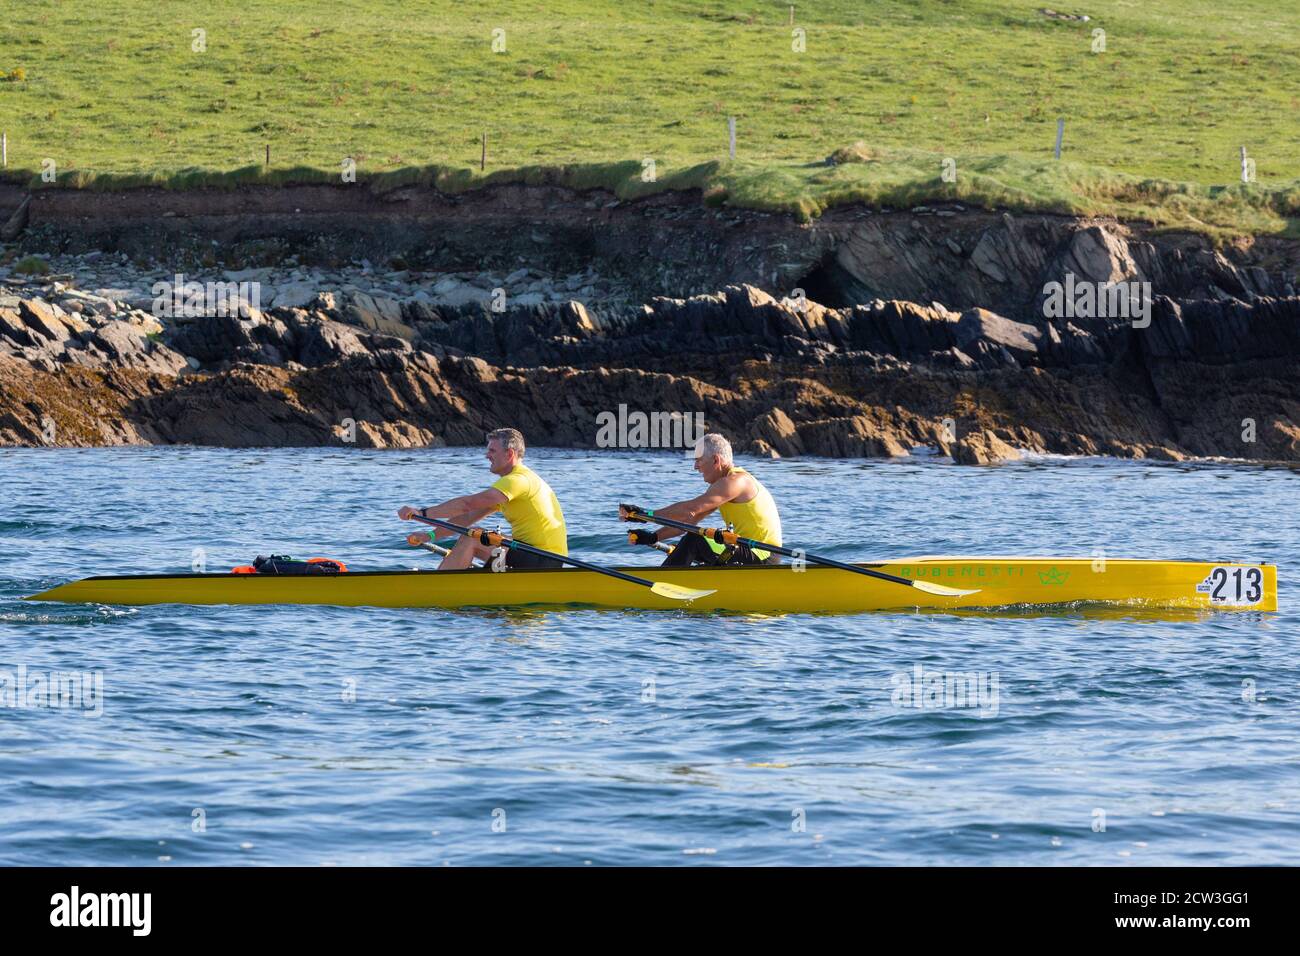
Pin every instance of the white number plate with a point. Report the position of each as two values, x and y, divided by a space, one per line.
1238 587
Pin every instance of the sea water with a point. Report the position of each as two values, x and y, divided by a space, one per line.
319 735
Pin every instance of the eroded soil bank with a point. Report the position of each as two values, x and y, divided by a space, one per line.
413 318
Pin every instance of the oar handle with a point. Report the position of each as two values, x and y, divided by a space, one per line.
427 545
657 545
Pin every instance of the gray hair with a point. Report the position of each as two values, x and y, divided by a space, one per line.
510 438
713 444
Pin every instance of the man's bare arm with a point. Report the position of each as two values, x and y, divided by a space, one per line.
693 511
470 518
478 505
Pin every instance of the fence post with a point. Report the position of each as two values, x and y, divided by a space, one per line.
1060 135
731 130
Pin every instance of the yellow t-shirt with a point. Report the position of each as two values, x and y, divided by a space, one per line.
533 510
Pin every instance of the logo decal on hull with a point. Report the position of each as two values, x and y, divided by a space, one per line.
1053 577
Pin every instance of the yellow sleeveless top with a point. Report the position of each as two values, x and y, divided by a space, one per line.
756 518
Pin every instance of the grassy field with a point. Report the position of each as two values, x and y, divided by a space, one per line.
115 93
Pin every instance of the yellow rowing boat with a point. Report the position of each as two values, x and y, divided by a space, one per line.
995 581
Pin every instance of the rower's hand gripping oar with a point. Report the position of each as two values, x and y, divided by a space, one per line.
722 536
634 538
492 540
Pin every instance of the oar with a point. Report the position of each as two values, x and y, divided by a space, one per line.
432 546
722 536
658 545
427 545
492 540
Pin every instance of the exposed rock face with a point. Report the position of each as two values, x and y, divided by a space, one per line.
788 377
13 226
1004 263
983 448
666 244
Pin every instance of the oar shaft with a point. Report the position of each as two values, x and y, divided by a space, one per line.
483 537
716 534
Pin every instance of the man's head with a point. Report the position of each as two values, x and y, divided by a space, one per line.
505 449
712 457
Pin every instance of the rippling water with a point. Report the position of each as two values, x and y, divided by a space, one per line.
230 735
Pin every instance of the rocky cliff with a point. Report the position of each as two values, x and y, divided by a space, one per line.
927 328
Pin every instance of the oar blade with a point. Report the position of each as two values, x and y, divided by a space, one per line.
941 590
678 593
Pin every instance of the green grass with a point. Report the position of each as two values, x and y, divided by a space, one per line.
113 93
31 266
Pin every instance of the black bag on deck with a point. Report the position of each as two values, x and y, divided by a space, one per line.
279 564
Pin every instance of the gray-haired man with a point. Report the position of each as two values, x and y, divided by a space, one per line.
744 503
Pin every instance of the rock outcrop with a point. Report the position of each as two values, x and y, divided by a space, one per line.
1216 376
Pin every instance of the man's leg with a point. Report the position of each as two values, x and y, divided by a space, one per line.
744 554
463 554
691 549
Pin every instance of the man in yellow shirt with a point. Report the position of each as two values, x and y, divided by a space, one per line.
525 500
743 502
